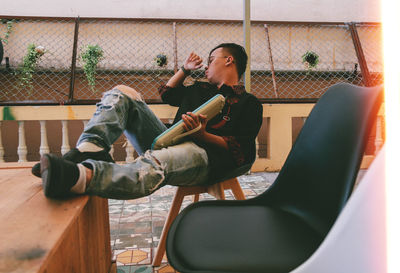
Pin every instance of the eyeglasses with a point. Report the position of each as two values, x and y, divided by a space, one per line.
212 58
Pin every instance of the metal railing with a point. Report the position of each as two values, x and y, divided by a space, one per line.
340 52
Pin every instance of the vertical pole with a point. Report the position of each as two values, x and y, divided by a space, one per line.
246 32
360 54
175 48
271 60
73 61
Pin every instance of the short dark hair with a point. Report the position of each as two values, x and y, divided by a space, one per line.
238 53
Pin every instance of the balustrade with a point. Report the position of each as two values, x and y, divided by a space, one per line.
278 137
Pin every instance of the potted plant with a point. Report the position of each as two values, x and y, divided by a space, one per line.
161 60
6 35
91 56
311 60
29 65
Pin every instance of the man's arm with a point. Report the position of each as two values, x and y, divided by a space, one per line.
192 62
192 120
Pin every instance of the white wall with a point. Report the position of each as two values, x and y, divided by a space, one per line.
270 10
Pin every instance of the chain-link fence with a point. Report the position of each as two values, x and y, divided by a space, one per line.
301 61
74 60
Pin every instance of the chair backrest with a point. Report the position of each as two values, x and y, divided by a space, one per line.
356 242
320 170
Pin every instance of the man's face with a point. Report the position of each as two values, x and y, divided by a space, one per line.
216 65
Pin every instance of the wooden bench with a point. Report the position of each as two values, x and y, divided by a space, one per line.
38 234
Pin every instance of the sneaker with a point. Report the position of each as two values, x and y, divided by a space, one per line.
76 156
58 176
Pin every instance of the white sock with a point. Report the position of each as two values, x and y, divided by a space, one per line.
89 147
80 186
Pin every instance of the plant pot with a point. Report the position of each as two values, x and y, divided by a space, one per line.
161 60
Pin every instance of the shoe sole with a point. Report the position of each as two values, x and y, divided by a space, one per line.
46 174
37 172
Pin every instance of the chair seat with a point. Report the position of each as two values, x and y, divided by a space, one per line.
290 242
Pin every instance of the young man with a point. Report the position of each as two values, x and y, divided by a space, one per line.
222 144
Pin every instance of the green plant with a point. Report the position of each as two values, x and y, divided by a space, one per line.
9 24
161 60
91 56
311 59
29 65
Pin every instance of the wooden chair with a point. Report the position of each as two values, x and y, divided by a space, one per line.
230 182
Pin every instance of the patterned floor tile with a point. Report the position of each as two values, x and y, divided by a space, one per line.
138 201
136 217
135 269
123 269
139 227
133 241
166 268
140 256
115 202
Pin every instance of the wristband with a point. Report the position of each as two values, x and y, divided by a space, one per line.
185 71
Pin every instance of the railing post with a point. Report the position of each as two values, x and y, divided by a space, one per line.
22 150
257 148
65 141
129 152
44 146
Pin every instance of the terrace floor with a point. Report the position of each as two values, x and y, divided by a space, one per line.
136 225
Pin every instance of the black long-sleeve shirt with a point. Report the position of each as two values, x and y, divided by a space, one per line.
238 124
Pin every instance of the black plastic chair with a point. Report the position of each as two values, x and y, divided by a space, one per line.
280 229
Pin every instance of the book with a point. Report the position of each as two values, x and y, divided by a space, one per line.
177 134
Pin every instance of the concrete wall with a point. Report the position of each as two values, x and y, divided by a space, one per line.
271 10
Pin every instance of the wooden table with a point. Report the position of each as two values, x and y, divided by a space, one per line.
38 234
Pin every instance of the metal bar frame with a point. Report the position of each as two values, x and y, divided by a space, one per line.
360 54
271 61
73 62
247 40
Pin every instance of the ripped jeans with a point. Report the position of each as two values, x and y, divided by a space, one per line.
185 164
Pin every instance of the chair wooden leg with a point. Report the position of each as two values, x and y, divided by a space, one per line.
196 198
173 212
217 190
237 190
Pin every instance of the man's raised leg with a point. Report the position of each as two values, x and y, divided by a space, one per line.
120 110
